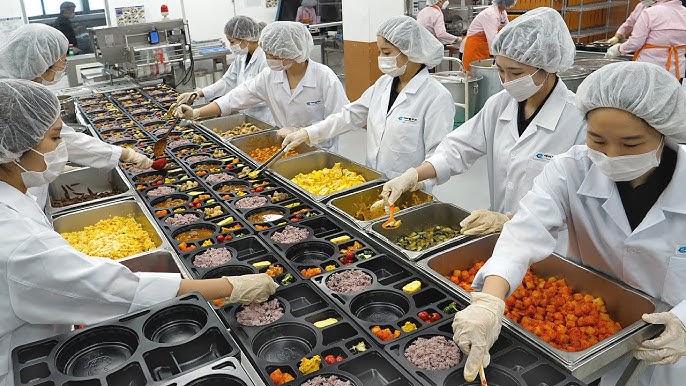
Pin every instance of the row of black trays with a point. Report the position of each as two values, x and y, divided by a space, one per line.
153 345
282 344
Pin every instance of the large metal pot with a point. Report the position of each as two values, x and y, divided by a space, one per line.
595 64
454 81
574 76
489 83
67 108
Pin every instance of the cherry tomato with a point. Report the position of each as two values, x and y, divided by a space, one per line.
424 316
330 359
229 166
340 358
220 238
435 316
228 238
259 190
350 255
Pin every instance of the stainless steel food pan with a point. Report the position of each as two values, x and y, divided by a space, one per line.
349 204
249 142
80 181
625 304
417 219
223 124
321 159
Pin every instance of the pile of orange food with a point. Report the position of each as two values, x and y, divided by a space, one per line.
385 334
263 154
550 309
279 377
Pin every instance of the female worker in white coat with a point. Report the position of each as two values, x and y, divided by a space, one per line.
38 52
243 33
46 286
519 129
297 90
407 112
622 198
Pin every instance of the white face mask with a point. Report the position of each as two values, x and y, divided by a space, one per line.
522 88
626 167
55 161
445 5
58 76
389 66
277 65
236 49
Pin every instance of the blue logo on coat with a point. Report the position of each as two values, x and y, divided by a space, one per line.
407 119
313 103
682 249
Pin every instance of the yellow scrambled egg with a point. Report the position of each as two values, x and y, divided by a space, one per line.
115 237
327 181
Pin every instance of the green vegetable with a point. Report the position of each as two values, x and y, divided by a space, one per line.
427 238
288 279
450 308
360 347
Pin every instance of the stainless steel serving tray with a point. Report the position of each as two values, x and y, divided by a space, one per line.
160 259
306 163
625 304
249 142
417 219
82 179
345 205
223 124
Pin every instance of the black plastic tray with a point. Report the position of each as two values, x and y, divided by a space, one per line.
283 343
226 372
140 348
512 363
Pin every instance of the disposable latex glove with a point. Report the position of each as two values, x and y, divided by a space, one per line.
283 133
295 139
406 182
475 330
139 160
483 222
613 52
613 40
183 98
667 348
187 112
255 288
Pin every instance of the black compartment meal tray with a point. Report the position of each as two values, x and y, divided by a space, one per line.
283 343
143 347
225 372
512 363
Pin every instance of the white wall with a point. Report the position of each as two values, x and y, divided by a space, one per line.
362 18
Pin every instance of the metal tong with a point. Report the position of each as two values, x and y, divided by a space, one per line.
161 144
268 163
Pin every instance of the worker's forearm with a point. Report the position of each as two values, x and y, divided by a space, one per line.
209 111
209 288
426 171
496 286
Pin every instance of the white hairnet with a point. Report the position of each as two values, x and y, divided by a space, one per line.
31 50
538 38
309 3
413 40
431 2
504 3
287 40
643 89
27 110
243 28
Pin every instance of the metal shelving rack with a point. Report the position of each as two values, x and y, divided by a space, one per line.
580 32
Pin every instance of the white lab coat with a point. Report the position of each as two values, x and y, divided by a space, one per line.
399 138
238 73
84 150
573 192
47 286
318 95
513 160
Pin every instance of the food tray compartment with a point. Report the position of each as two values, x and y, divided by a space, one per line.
318 160
266 217
150 345
249 142
284 342
96 184
76 221
384 303
585 364
418 219
318 251
348 206
226 372
219 126
512 363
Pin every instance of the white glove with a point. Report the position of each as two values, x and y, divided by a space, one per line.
255 288
183 98
483 222
667 348
187 112
613 40
283 133
139 160
406 182
458 41
295 139
613 52
476 328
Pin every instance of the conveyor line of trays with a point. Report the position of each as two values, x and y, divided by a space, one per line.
185 341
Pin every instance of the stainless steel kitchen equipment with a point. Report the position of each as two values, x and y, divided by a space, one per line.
219 126
86 181
260 140
464 91
625 304
489 83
